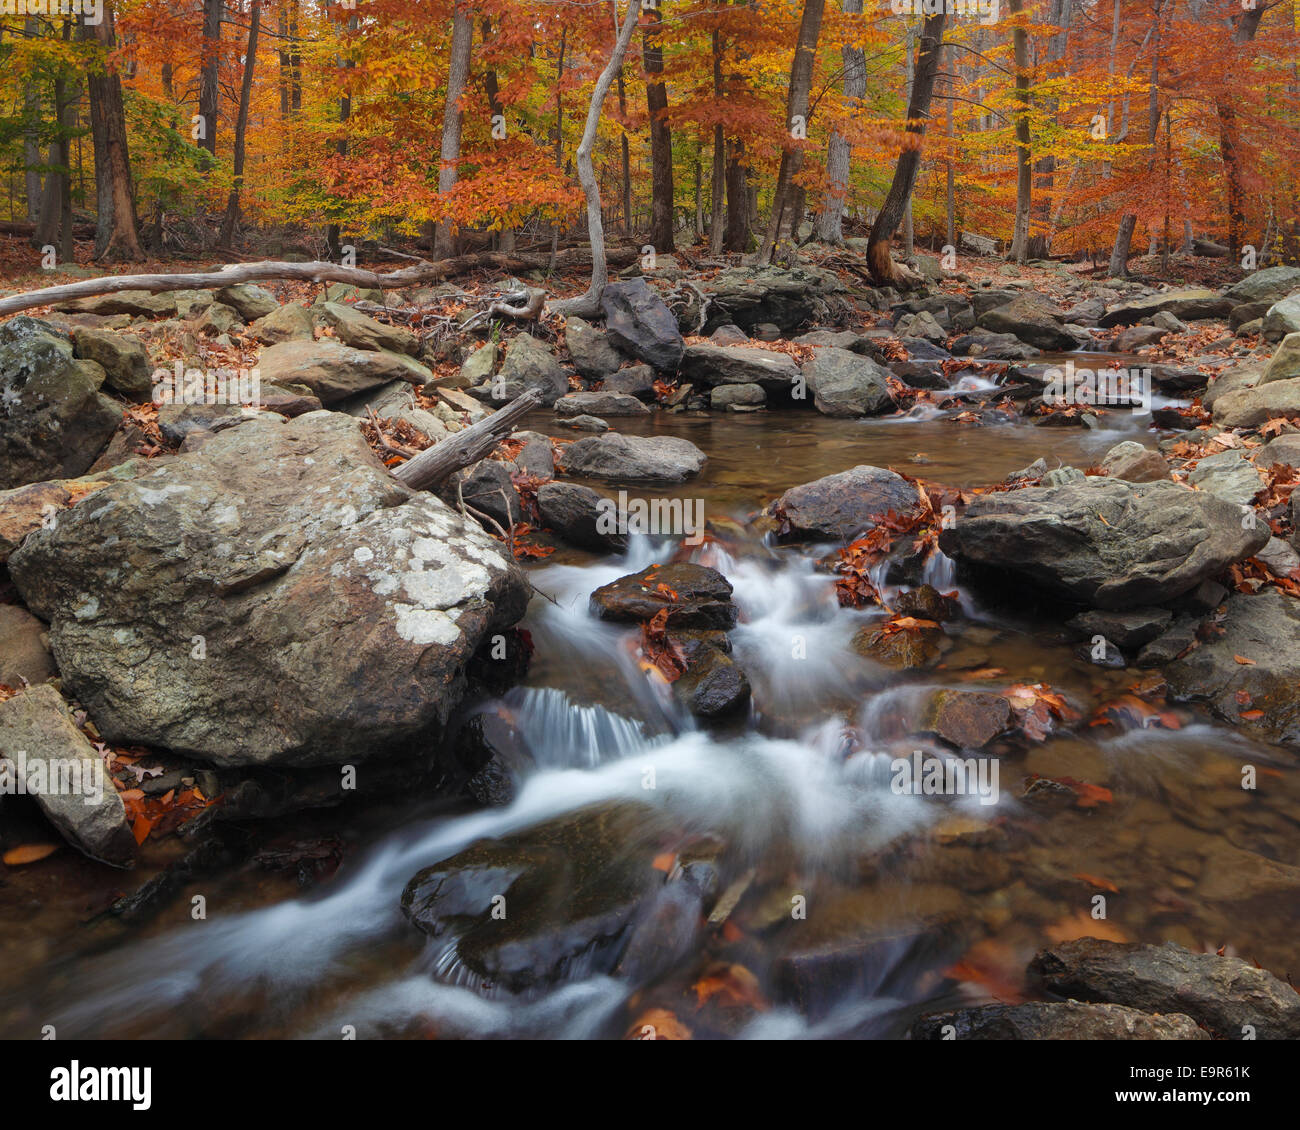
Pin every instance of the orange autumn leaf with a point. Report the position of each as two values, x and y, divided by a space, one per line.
994 965
1244 661
733 985
141 828
1095 881
658 1024
28 853
665 862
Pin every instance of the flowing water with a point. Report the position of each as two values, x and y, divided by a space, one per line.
909 903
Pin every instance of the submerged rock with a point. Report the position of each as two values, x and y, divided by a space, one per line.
274 598
535 906
1103 541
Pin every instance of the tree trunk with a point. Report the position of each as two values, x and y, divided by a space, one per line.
31 149
588 304
1118 267
796 111
116 237
1024 170
1040 241
209 73
462 38
879 261
661 146
839 153
333 234
241 128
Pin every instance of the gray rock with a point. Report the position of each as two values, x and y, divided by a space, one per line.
55 420
1137 337
708 366
1135 463
636 380
729 335
1250 407
639 323
1267 285
1124 629
1282 318
1061 476
334 372
843 506
785 298
1228 475
847 384
123 359
922 325
485 486
1264 627
529 364
575 513
65 775
586 424
1031 319
702 597
250 301
1174 641
1284 449
737 396
1285 363
1068 1020
602 403
361 331
995 346
218 320
1186 305
479 365
290 322
274 598
1225 994
1104 542
1164 320
1279 557
634 459
590 350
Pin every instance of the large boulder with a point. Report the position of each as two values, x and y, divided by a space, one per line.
639 323
843 506
249 300
1259 696
1186 305
334 372
529 364
1031 319
361 331
1269 285
1225 994
290 322
274 598
707 366
61 770
634 459
579 516
1285 362
750 297
1250 407
1282 318
55 420
1105 542
847 384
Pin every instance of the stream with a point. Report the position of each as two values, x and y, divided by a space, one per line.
913 903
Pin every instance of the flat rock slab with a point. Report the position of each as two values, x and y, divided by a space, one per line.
334 372
1105 542
274 598
694 595
1225 994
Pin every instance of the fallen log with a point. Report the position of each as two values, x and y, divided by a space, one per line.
435 464
268 270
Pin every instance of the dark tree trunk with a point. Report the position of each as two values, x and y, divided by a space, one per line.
208 73
241 128
661 146
879 261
